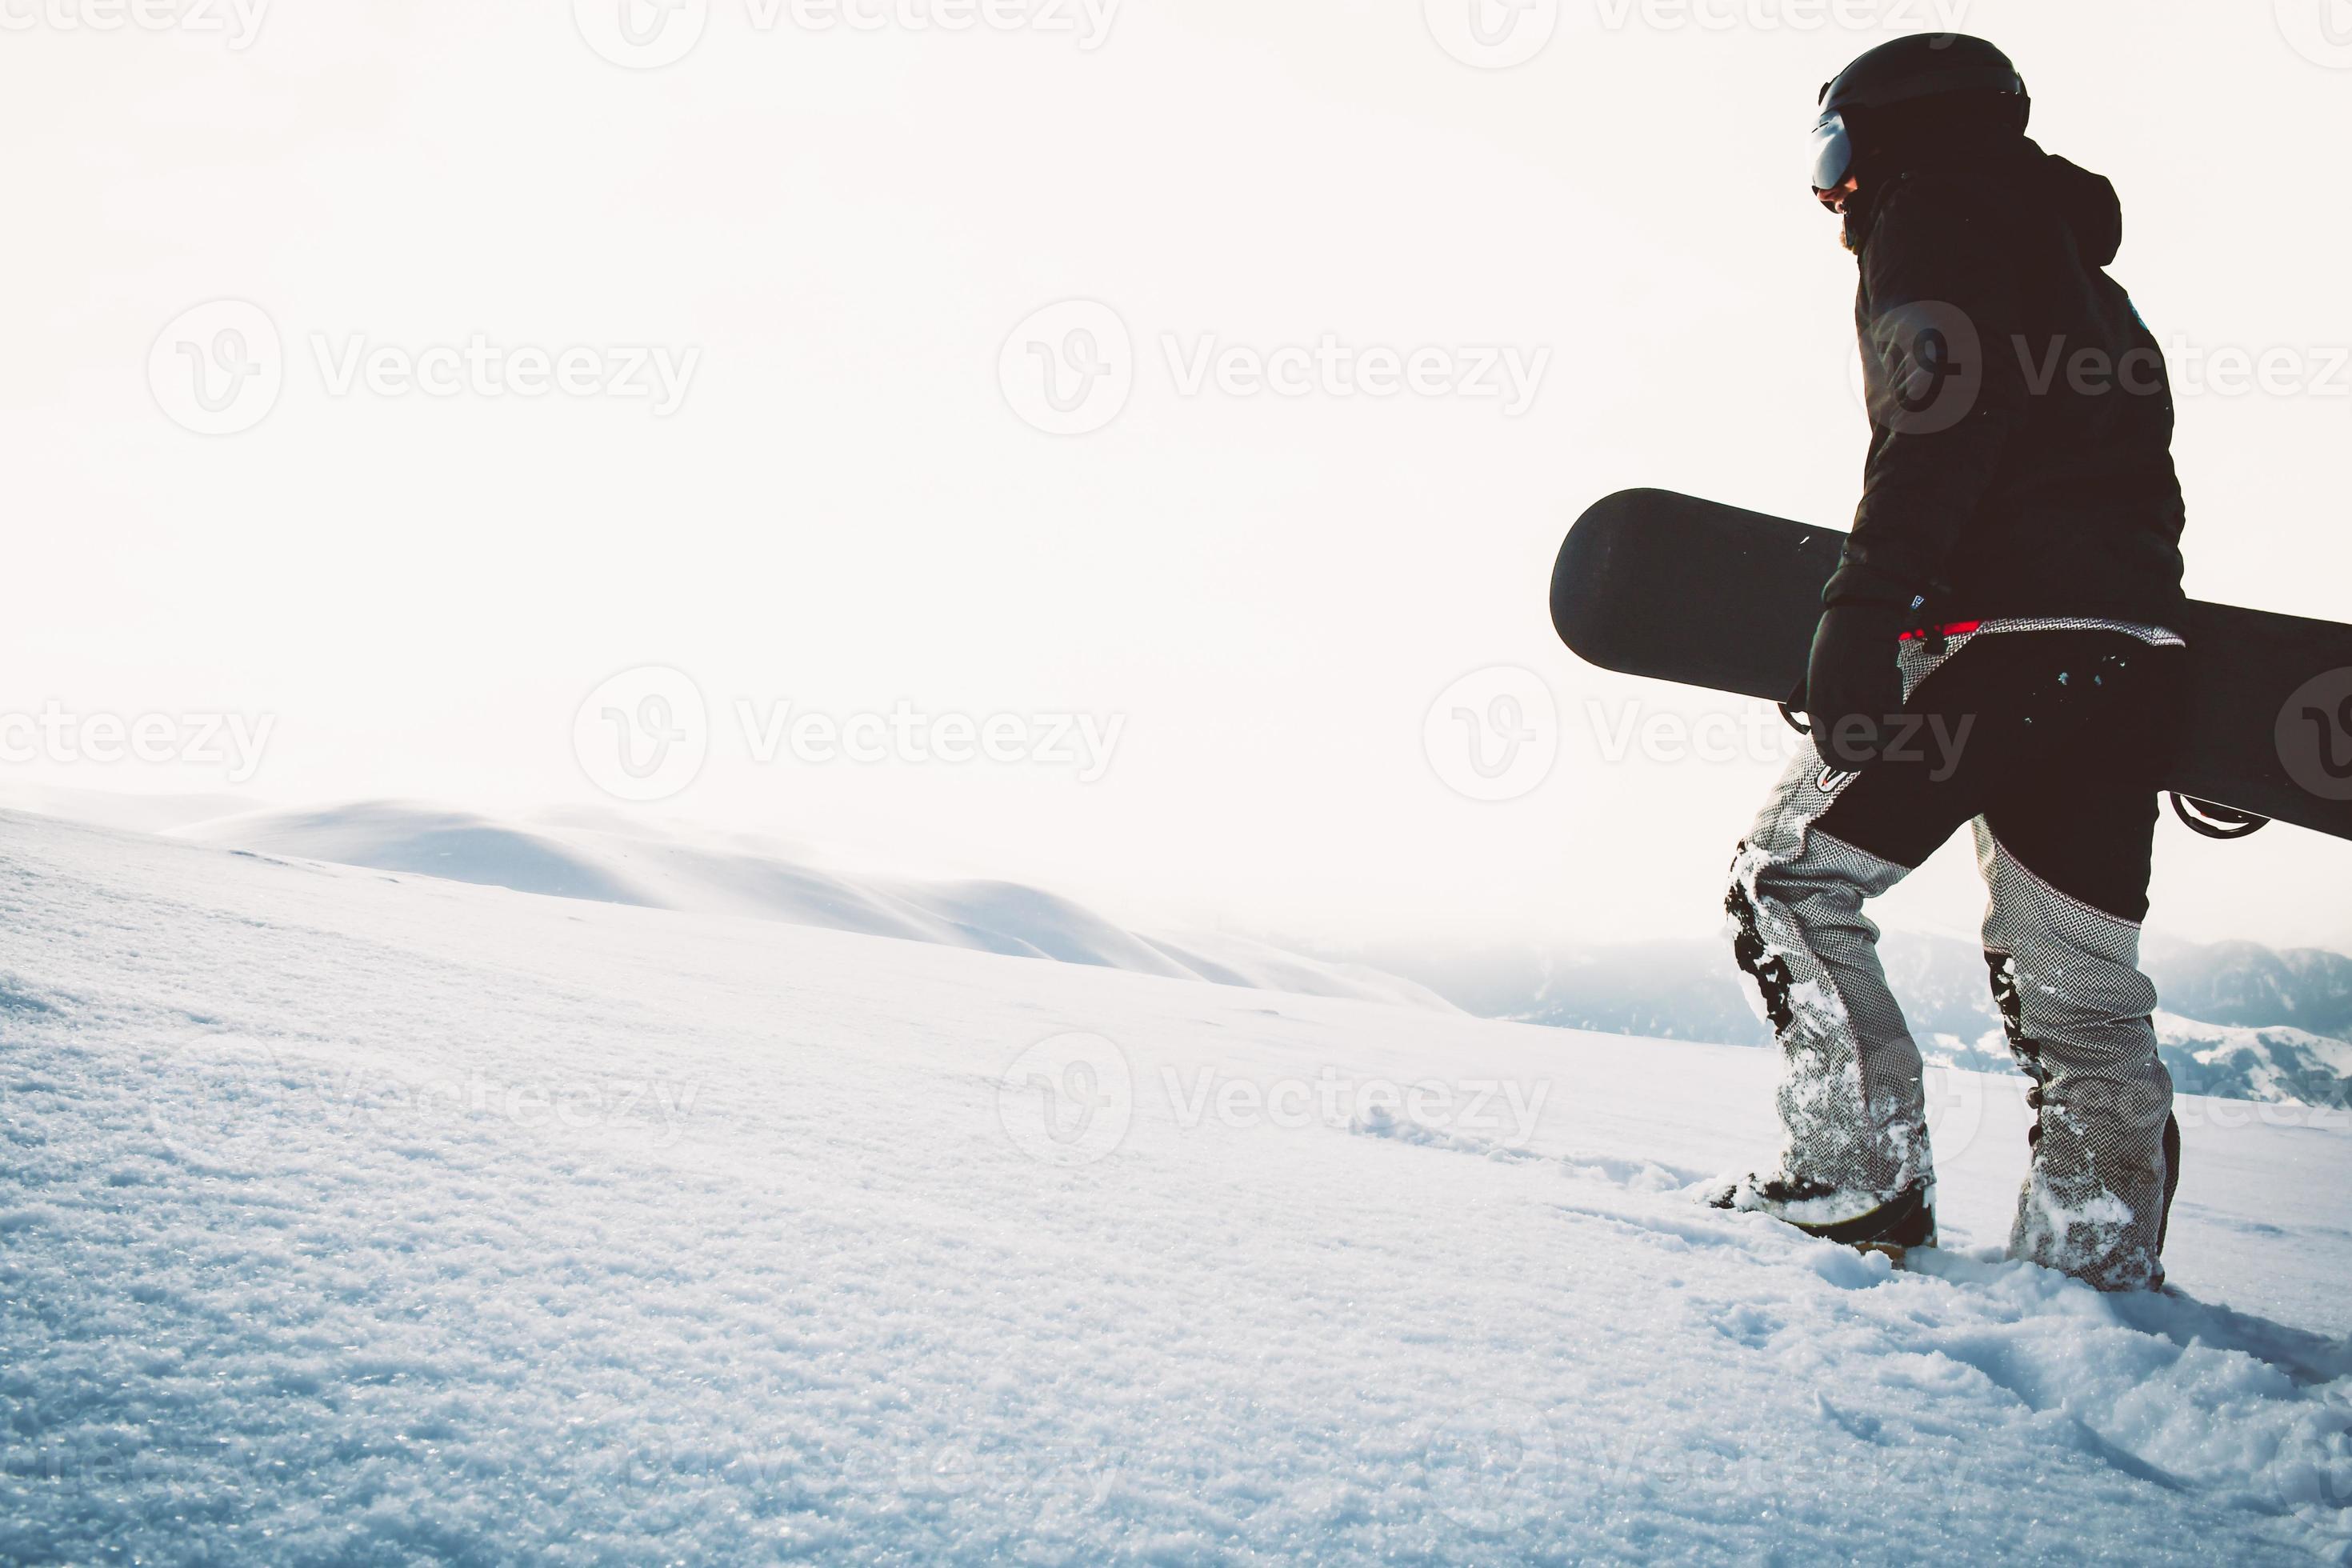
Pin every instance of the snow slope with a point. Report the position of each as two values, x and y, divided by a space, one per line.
114 808
713 876
352 1216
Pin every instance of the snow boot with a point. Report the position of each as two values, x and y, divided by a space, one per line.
1905 1221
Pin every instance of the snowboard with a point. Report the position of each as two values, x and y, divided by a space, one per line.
1655 583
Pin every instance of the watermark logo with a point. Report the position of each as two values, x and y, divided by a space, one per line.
1922 367
1068 1101
1492 35
1954 1100
1069 369
2318 30
642 34
2314 735
643 735
217 369
1494 734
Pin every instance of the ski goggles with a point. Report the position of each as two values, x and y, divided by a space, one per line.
1832 153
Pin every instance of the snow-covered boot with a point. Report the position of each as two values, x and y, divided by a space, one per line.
1904 1220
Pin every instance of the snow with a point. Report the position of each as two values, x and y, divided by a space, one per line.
360 1216
588 857
2278 1063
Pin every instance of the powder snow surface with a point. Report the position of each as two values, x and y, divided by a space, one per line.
349 1217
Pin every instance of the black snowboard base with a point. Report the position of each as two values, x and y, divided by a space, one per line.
1655 583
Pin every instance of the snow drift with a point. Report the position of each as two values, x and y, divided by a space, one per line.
584 858
360 1217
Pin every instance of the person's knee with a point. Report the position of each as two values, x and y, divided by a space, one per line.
2104 1029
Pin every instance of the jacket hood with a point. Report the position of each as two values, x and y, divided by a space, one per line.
2088 203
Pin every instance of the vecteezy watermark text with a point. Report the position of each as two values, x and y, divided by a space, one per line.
233 742
220 368
646 35
1757 734
1934 16
644 734
1495 734
1500 1110
1478 373
1071 1100
238 22
1495 34
627 371
218 1089
1925 366
1070 368
1084 742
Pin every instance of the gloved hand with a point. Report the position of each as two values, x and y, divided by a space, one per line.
1852 683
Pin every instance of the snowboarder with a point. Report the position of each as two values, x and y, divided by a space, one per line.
1996 649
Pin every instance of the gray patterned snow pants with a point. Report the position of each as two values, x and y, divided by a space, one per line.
2049 737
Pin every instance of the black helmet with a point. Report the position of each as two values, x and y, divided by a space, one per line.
1920 66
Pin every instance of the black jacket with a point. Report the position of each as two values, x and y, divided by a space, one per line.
2021 414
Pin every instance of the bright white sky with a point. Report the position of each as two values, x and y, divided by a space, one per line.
848 511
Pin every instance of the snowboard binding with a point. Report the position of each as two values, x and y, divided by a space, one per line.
2224 822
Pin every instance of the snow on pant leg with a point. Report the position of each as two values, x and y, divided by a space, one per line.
1850 1098
2077 1009
2065 845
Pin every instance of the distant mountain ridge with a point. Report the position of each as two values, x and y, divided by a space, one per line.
2250 985
2240 1020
